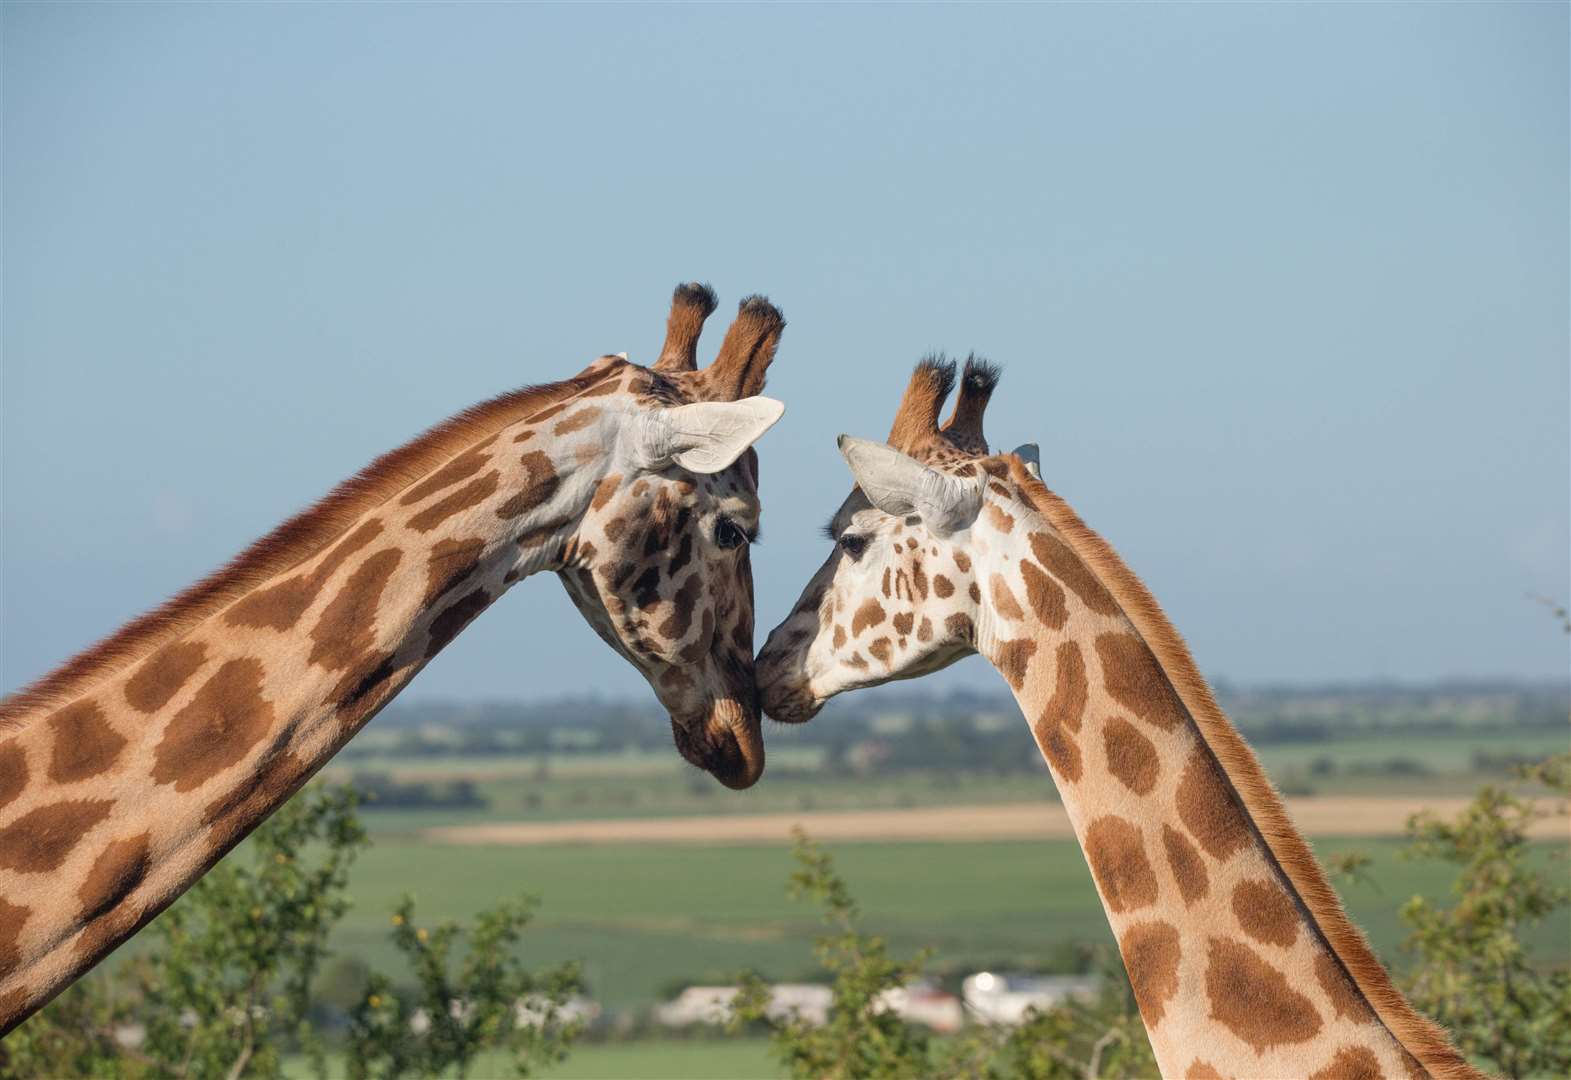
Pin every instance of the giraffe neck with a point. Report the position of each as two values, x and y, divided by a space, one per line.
1240 957
122 787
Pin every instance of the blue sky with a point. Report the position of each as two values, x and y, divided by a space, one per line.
1280 290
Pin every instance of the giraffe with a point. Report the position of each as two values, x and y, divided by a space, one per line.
129 771
1241 959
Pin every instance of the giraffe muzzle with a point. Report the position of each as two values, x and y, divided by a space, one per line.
728 744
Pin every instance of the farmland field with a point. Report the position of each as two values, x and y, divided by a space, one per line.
645 919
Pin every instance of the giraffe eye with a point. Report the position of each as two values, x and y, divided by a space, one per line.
853 545
728 534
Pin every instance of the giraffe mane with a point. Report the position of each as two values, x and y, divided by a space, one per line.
289 544
1420 1036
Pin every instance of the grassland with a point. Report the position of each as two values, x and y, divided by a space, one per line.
646 919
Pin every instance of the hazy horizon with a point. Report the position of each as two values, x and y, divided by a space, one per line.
1281 291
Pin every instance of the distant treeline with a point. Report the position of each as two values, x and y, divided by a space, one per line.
893 732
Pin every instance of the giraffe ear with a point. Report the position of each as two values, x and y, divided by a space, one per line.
706 436
899 485
1030 454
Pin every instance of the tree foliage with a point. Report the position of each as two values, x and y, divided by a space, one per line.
864 1038
225 986
1473 973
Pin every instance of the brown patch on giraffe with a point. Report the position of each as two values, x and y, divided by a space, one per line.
219 726
12 918
1044 596
903 623
1265 912
1061 751
345 548
524 436
1132 676
13 1006
39 840
886 581
943 588
118 869
546 414
1012 658
703 644
963 561
1067 705
543 482
1117 854
280 606
1000 520
857 660
683 601
363 679
840 636
1351 1063
347 627
1339 989
1003 600
880 649
871 613
1151 953
1063 564
918 579
976 594
1130 755
604 490
160 678
609 386
467 497
1209 809
960 627
450 563
1061 718
925 631
999 489
232 813
13 772
277 607
1189 869
445 627
459 469
578 421
1253 1000
84 744
1202 1070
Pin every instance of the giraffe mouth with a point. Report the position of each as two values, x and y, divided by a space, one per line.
728 744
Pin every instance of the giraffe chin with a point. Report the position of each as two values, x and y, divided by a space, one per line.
728 744
796 706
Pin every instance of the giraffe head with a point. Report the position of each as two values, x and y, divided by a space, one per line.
659 562
899 595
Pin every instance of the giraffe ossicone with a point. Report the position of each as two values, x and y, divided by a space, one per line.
127 772
1241 959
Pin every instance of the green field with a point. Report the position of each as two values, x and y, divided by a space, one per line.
646 919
